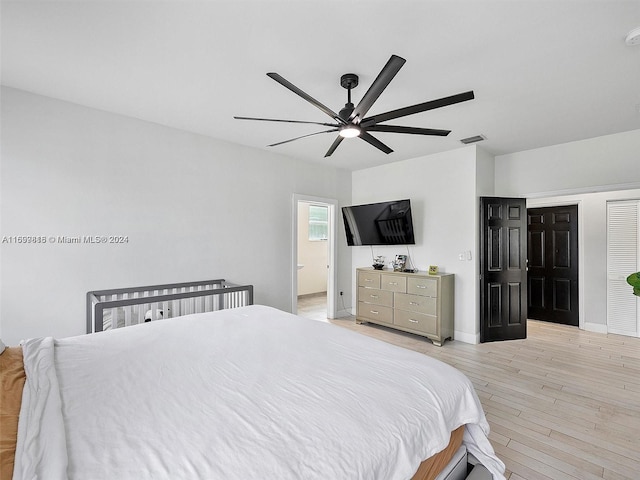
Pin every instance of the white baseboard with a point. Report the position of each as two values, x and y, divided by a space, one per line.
475 339
344 313
595 327
471 338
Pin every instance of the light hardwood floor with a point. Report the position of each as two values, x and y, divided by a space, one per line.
562 404
313 306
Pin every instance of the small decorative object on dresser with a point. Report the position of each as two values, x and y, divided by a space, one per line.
378 262
399 263
412 302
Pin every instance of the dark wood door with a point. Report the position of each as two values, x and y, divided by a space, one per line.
503 269
553 264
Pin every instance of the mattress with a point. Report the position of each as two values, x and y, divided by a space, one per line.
246 393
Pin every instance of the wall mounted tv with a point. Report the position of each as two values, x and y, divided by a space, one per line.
384 223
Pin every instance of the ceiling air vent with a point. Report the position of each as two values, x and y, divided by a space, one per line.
474 139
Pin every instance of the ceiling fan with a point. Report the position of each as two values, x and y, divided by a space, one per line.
351 122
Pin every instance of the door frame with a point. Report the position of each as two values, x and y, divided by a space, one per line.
551 202
332 204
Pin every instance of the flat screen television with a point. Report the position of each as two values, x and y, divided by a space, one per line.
383 223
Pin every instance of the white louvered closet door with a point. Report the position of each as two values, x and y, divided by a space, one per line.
623 255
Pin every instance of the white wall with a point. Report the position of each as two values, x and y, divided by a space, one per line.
443 193
565 174
192 207
603 163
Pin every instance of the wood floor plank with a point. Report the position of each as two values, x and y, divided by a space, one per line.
555 448
533 468
603 455
498 417
610 475
555 462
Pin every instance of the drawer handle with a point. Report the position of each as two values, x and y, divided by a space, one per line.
375 312
393 283
368 280
414 303
413 321
421 286
373 296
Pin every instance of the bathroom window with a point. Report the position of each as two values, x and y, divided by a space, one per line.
318 223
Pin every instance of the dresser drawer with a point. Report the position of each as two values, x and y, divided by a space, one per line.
369 279
375 313
415 303
375 296
416 321
393 283
423 286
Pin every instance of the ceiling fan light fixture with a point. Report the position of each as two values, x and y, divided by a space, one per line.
352 121
350 131
633 37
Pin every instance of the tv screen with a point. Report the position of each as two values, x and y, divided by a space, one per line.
384 223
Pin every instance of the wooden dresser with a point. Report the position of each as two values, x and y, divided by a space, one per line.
413 302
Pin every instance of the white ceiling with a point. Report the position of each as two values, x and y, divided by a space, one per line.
543 72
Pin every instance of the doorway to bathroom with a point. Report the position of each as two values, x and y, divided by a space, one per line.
314 241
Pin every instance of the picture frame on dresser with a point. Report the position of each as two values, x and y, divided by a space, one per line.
418 303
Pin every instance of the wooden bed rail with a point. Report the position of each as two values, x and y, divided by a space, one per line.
121 307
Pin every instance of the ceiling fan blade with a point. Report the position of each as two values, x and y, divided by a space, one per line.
303 136
411 130
287 84
377 87
375 142
287 121
420 107
333 146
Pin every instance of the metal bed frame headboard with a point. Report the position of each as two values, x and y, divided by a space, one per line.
167 300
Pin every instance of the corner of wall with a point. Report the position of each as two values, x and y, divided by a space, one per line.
485 173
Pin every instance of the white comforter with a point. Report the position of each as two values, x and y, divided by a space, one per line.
238 394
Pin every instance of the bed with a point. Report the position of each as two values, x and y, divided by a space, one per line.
250 392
